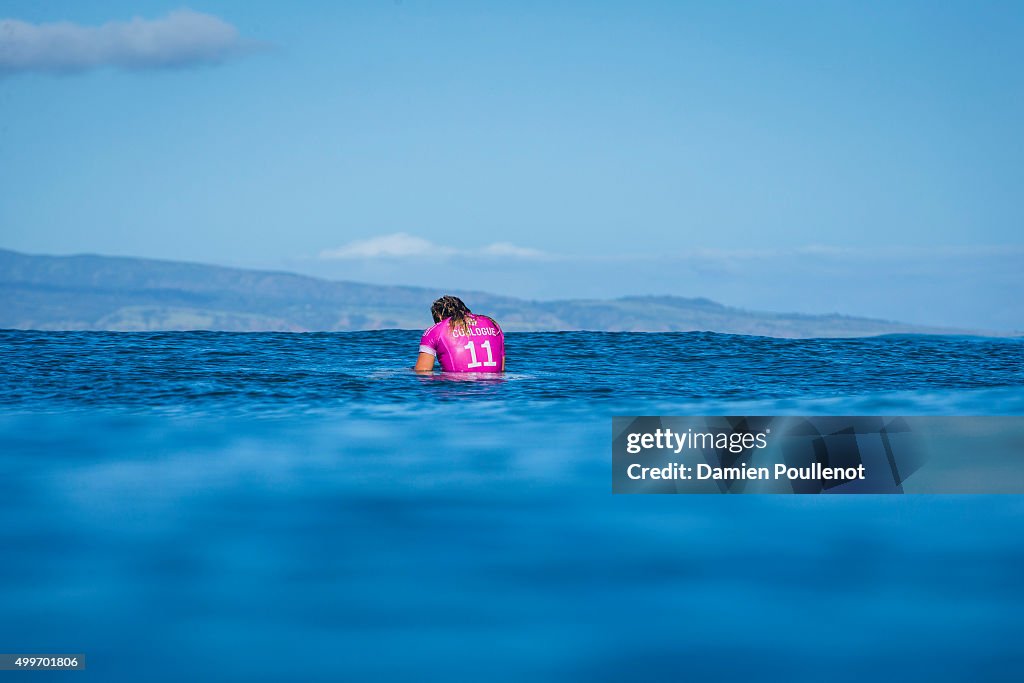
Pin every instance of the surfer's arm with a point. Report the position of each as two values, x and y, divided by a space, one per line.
503 363
425 363
428 351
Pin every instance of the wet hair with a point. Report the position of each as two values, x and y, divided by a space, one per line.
451 307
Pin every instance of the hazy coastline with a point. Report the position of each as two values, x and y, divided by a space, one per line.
92 292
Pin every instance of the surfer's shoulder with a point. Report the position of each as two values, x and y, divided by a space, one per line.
491 320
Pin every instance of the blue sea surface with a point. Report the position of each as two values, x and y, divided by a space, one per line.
268 507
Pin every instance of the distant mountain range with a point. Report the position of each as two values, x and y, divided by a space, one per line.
116 293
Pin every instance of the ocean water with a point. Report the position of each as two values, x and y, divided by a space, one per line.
266 507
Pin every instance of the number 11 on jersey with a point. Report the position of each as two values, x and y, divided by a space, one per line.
489 363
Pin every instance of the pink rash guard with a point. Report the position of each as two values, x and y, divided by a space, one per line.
482 350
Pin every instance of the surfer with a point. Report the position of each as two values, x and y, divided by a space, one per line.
460 340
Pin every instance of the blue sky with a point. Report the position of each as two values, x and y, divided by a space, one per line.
863 158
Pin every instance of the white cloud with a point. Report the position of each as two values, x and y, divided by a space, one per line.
397 245
509 249
182 38
404 245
